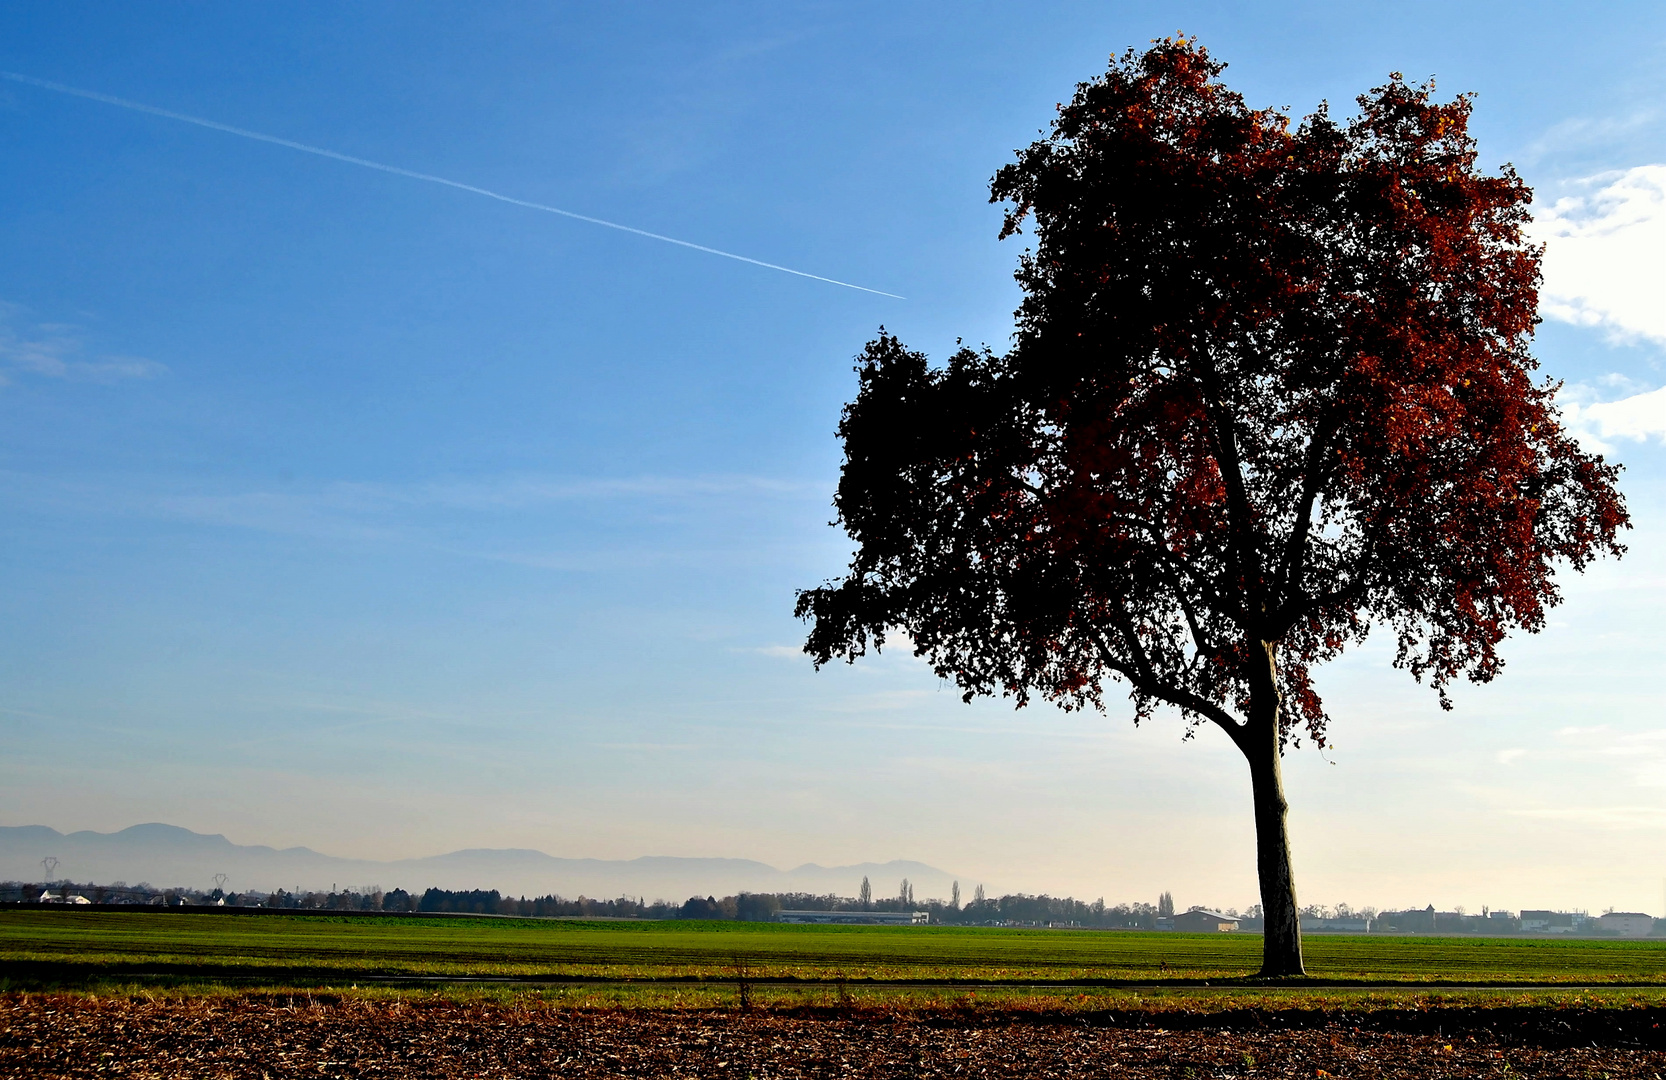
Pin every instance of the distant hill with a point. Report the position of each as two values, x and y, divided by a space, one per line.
166 855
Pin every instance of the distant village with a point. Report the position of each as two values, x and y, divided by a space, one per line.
1013 910
1429 921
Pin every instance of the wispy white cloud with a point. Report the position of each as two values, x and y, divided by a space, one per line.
518 492
1640 755
1637 417
749 48
1605 254
566 524
340 512
347 508
563 524
1631 763
780 652
1601 817
1583 134
56 351
589 560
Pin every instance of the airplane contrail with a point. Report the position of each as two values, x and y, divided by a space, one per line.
214 125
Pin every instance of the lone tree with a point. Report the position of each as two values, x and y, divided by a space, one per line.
1270 386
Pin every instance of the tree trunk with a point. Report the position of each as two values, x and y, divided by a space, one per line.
1281 954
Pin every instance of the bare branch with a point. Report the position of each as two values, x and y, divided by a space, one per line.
1143 681
1245 554
1313 477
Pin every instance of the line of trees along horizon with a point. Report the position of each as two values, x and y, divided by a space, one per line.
762 907
745 907
1021 908
1012 909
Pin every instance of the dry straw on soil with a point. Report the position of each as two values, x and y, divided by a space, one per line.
295 1035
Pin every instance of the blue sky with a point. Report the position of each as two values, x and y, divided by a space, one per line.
347 510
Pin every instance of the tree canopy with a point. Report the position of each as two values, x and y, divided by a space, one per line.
1271 386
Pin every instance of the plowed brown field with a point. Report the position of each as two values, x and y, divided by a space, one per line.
268 1037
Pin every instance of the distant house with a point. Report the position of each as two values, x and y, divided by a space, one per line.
1626 923
1410 921
860 918
1200 920
1553 922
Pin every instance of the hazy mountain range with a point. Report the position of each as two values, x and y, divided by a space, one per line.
169 856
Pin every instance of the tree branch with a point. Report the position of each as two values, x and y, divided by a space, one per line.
1245 554
1191 621
1139 674
1313 474
1290 616
1160 547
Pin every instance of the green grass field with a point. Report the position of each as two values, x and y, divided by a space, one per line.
269 946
